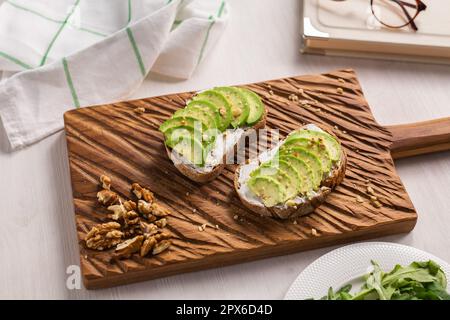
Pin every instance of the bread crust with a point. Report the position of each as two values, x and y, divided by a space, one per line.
203 177
335 178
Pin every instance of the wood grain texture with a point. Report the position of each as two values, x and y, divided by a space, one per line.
420 138
115 140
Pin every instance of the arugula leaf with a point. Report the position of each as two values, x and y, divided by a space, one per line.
374 281
421 280
342 294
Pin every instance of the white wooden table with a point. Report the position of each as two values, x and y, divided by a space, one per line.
37 229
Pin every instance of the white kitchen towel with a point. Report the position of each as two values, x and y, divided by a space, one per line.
65 54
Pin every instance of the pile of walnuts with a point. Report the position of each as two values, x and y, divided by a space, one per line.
137 227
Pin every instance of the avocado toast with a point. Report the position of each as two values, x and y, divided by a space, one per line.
199 137
294 177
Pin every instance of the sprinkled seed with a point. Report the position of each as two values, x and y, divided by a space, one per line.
194 210
271 92
235 217
359 199
377 204
295 222
200 228
370 190
340 90
140 110
341 80
373 198
313 232
236 112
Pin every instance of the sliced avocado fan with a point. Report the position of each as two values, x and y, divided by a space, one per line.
298 168
209 114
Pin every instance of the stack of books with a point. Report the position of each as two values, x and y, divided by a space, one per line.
350 28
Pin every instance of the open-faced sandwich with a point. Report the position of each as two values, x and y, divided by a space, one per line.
199 136
294 177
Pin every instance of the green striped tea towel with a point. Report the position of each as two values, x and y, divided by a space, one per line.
56 55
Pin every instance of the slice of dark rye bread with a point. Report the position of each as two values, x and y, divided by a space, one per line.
202 177
337 174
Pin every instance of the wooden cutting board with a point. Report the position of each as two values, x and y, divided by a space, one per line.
118 141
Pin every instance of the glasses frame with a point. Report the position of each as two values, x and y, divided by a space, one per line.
419 6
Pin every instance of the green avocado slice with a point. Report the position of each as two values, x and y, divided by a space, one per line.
268 189
281 173
314 146
183 121
207 107
174 134
271 168
256 107
239 105
191 149
310 159
292 173
199 113
305 173
331 144
223 105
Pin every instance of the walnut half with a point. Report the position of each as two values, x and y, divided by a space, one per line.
156 244
128 247
104 236
159 211
107 197
118 211
161 246
142 193
106 182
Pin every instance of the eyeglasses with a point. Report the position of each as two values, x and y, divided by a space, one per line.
396 13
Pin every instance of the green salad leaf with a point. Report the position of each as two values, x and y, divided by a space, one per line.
423 280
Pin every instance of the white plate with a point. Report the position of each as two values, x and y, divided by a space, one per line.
348 264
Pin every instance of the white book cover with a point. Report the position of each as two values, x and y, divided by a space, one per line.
341 27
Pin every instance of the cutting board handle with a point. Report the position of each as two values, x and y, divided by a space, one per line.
420 138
